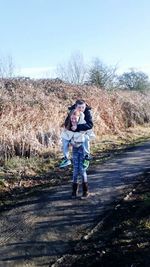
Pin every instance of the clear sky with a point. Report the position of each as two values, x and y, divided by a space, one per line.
40 34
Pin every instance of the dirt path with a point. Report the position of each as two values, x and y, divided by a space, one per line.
45 226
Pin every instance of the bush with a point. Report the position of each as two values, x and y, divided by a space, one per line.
101 75
134 80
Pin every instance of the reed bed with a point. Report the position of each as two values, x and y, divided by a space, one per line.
32 112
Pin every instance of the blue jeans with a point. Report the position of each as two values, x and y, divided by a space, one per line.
78 169
65 147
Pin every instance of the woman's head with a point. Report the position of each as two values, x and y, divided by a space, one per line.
74 117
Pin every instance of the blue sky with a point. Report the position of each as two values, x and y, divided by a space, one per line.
40 34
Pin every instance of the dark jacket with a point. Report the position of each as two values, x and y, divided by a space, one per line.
88 118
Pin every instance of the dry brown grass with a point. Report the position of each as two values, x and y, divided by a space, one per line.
31 114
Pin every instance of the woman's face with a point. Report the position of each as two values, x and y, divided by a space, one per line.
74 118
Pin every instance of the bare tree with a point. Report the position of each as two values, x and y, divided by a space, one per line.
7 67
74 71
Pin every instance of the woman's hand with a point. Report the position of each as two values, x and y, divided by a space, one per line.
74 127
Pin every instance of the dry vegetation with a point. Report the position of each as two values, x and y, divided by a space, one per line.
31 113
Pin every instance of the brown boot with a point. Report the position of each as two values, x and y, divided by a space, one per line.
75 187
85 190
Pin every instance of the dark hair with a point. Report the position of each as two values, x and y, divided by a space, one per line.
80 102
